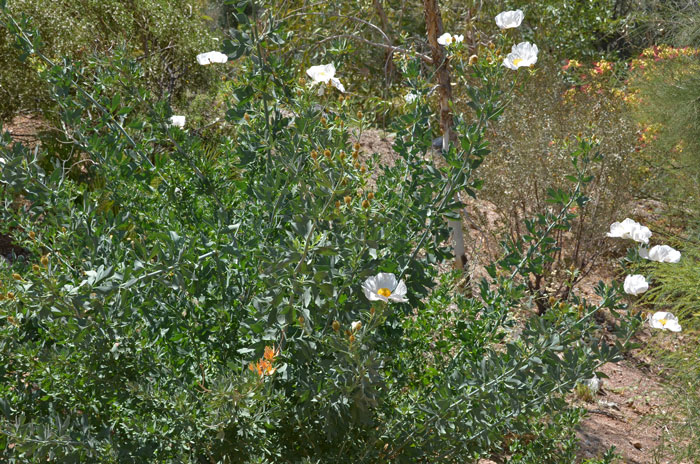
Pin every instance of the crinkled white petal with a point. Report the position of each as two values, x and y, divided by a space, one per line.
630 229
211 57
509 19
177 121
445 39
458 38
635 284
387 280
594 384
335 82
521 55
321 73
665 320
641 234
663 254
410 97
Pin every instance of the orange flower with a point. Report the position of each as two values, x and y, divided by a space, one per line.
269 354
264 366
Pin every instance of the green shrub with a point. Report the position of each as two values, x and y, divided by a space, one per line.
199 300
164 36
667 91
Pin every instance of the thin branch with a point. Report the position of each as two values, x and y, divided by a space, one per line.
423 57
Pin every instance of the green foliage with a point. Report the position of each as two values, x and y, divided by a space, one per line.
164 36
194 299
668 92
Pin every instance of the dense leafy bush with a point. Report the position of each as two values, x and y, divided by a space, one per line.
195 299
163 36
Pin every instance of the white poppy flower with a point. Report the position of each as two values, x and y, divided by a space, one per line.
177 121
593 384
523 54
661 253
630 229
410 98
448 39
2 161
355 326
384 287
324 73
635 284
665 320
211 57
509 19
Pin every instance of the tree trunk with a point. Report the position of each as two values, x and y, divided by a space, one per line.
433 24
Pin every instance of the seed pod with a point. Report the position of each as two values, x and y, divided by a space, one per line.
45 260
337 203
348 199
32 235
336 326
356 146
370 196
314 154
359 114
341 155
327 153
365 204
16 276
246 117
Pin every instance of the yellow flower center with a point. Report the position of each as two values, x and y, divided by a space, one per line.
663 321
517 61
385 292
